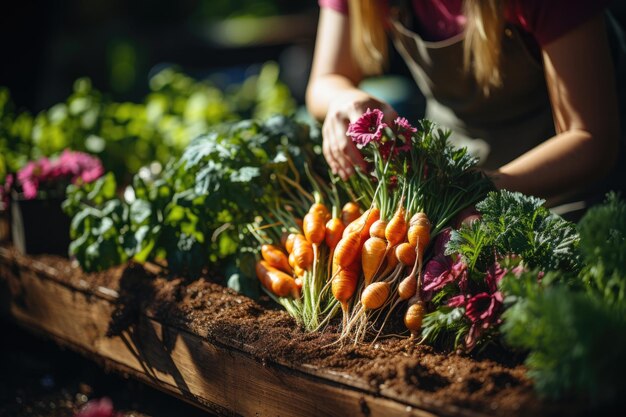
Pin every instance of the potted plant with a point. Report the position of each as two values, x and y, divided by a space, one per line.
38 224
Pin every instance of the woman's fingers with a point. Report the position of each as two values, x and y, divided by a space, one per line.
340 152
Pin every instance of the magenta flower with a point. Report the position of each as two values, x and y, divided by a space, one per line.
69 167
79 165
368 128
403 130
457 301
482 307
32 174
483 310
402 126
440 271
98 408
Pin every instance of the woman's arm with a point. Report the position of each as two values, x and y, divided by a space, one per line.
332 93
581 82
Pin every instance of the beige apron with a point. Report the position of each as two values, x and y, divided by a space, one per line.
512 120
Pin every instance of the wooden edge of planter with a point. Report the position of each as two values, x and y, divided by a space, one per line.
211 375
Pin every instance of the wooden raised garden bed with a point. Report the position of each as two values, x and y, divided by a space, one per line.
232 356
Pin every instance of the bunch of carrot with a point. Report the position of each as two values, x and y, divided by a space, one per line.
367 260
295 270
380 250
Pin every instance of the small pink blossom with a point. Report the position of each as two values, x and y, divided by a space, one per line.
98 408
368 128
402 127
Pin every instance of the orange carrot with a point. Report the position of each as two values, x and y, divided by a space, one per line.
407 287
279 283
419 230
334 230
321 210
291 237
375 295
347 250
378 228
406 253
298 272
275 257
372 256
343 287
314 227
396 228
373 216
350 212
414 316
363 223
303 252
392 262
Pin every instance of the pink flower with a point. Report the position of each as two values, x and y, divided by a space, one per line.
483 310
98 408
369 127
70 166
80 165
457 301
483 307
437 273
403 130
440 271
402 126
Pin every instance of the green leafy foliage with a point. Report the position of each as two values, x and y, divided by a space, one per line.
513 223
445 326
193 214
575 340
574 324
515 232
126 135
603 246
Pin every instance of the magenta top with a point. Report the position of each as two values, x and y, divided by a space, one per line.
544 20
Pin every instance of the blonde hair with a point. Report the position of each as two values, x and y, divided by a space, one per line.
367 36
481 47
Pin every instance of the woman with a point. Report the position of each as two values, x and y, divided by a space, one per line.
528 86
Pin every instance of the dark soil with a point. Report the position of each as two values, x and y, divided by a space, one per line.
493 383
38 379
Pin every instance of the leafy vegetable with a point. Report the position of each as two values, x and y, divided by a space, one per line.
513 223
514 233
574 325
576 340
193 214
603 246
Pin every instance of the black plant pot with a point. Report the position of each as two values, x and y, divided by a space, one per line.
39 226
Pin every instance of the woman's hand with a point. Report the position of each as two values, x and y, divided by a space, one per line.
340 152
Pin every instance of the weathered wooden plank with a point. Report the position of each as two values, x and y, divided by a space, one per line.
222 379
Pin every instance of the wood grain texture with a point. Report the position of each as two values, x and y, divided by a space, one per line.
213 375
